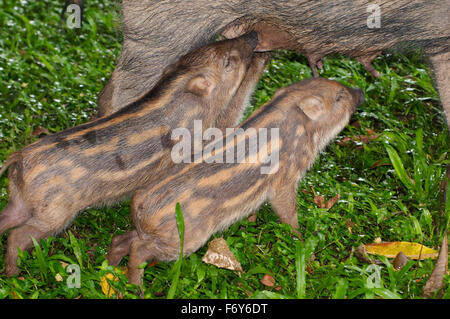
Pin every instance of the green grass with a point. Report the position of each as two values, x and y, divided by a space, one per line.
390 186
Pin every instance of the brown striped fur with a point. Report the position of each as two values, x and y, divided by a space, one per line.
215 195
107 159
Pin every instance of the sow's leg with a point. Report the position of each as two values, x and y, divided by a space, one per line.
441 66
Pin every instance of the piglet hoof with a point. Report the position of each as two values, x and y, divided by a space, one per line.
113 260
135 276
11 270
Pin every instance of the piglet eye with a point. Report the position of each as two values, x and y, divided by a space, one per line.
339 96
231 60
228 61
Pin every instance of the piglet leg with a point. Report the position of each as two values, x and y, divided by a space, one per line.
20 238
140 251
366 61
14 214
315 62
120 247
284 202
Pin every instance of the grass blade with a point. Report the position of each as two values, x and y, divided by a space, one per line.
302 254
76 249
341 289
386 294
40 258
177 266
265 294
399 168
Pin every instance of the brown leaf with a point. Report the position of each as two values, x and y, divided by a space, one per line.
380 162
332 201
349 225
39 131
359 138
344 141
356 124
252 217
268 280
400 261
436 280
319 201
219 255
14 295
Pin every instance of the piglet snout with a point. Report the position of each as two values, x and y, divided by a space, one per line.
251 38
358 96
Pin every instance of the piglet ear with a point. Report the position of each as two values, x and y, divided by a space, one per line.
200 85
313 106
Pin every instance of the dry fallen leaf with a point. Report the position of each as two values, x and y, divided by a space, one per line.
58 277
400 261
268 280
380 162
356 124
14 295
411 250
39 131
330 203
252 217
359 138
219 255
320 201
106 287
436 280
350 225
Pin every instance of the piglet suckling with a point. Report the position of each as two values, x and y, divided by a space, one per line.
107 159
